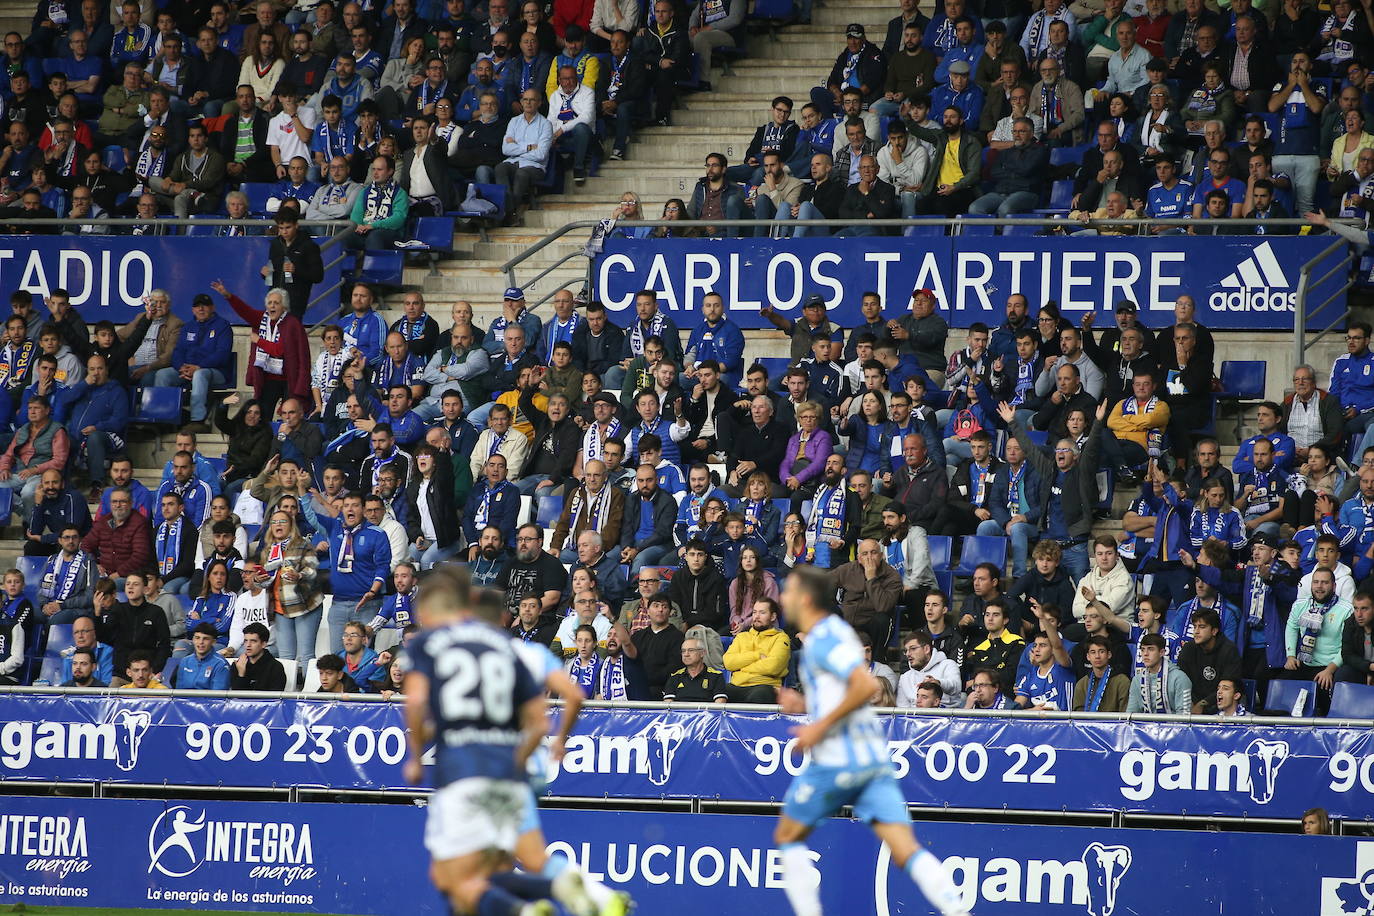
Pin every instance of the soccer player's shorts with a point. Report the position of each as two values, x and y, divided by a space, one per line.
530 820
474 815
819 792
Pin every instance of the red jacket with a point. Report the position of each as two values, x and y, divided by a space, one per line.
121 549
291 346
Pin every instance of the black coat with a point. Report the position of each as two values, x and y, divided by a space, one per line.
436 166
765 447
597 354
259 165
442 509
701 597
872 69
553 450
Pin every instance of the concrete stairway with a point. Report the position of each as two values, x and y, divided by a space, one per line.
661 163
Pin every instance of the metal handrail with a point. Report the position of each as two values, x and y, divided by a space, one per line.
508 268
1301 313
171 221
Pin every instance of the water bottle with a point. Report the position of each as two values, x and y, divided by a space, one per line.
1155 441
288 271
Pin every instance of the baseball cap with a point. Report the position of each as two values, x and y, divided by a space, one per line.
202 299
514 292
1126 305
1265 538
605 397
814 299
574 33
959 66
854 30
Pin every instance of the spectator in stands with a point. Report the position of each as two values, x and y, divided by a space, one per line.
1206 659
151 338
361 558
1313 636
55 509
279 360
872 588
81 665
572 106
647 532
699 589
528 141
1102 689
195 181
695 682
202 356
134 624
39 445
1153 690
98 414
256 668
204 668
67 583
666 49
1135 425
1018 175
493 501
262 69
1067 397
174 545
1357 659
1298 101
1310 415
243 141
1188 382
1107 582
121 107
380 211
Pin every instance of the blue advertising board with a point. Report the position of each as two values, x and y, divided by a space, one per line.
108 275
1247 282
1020 762
368 859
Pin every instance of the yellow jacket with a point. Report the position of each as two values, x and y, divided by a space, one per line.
1136 427
518 419
758 659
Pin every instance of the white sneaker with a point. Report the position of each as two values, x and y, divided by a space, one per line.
411 244
569 892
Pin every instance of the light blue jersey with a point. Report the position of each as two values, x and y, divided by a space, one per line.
541 663
851 765
832 653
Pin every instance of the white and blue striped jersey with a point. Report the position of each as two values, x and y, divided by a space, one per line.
831 655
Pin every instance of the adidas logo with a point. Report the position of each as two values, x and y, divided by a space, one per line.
1258 284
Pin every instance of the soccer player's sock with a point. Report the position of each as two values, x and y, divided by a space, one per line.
555 865
526 886
800 881
497 902
930 876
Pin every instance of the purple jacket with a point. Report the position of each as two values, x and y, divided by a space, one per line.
818 448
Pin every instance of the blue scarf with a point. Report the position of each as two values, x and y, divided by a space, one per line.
827 520
168 545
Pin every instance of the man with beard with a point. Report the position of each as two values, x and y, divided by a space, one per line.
907 550
532 571
494 501
489 564
657 647
622 674
836 516
647 530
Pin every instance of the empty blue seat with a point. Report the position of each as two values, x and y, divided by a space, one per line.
941 546
1242 382
167 670
923 229
1351 701
257 193
436 232
549 510
32 568
382 268
977 550
1061 195
157 404
219 464
115 160
976 228
776 366
1283 694
59 638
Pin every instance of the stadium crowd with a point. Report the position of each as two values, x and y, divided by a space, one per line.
637 494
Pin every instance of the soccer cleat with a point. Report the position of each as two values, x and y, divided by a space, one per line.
539 908
620 904
569 892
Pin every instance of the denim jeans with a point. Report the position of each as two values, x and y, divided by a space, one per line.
649 556
176 586
296 637
24 499
433 554
98 445
202 380
477 417
577 138
1075 561
957 450
1304 171
808 210
342 611
994 204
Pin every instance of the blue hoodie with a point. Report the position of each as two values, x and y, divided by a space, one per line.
106 407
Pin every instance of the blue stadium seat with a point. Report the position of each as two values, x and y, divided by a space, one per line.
257 193
977 550
776 366
941 546
115 159
923 229
1242 382
382 268
1023 228
549 510
975 228
436 232
159 405
31 567
200 231
219 464
1061 195
784 506
59 638
1351 701
1283 694
167 670
1210 429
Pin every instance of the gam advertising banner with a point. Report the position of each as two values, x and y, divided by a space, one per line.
108 275
1246 282
368 859
1017 762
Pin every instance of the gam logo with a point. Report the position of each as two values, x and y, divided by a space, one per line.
651 752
